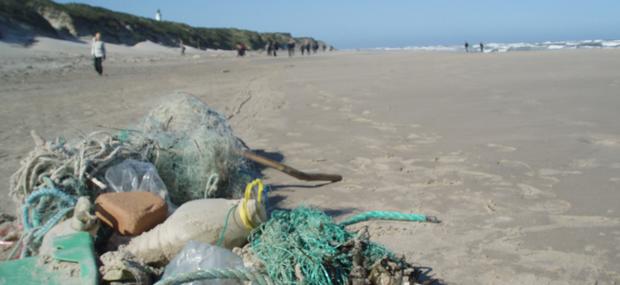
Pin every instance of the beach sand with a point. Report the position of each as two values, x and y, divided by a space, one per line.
517 153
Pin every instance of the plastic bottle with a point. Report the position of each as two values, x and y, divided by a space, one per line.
198 220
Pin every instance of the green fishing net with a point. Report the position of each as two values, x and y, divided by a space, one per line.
311 241
197 153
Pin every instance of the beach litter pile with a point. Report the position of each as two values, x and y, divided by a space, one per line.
177 200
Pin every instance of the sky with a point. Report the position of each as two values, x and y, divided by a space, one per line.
394 23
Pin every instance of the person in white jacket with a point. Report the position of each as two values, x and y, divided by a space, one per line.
98 52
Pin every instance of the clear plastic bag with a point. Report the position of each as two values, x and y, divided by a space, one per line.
200 256
137 176
132 175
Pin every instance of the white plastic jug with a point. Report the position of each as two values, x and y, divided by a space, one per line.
199 220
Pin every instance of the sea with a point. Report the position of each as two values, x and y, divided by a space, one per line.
508 47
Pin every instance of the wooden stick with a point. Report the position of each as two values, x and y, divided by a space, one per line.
289 170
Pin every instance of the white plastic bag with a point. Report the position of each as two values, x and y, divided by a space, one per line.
201 256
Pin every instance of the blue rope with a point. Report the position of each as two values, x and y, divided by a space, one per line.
220 241
36 203
387 215
68 200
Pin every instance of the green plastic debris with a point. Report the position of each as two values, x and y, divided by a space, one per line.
73 262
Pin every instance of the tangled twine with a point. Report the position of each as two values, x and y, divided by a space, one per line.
37 223
70 166
55 173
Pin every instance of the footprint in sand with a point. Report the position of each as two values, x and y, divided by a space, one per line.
579 123
404 147
358 119
551 206
485 178
531 192
386 127
424 138
501 148
345 109
550 174
453 157
361 163
517 165
554 172
602 140
296 146
584 163
532 102
391 164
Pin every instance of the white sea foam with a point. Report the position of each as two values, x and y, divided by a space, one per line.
506 47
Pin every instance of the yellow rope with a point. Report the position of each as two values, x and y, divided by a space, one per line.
244 214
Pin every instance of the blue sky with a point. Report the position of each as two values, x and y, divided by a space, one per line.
394 23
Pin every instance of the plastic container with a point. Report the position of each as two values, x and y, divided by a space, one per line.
199 220
82 220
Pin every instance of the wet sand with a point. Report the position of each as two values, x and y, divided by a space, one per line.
517 153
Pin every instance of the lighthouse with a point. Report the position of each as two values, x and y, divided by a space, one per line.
158 15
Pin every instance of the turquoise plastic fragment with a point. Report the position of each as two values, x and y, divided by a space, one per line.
74 248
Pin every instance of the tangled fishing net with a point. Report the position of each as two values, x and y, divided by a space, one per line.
198 154
191 145
305 246
69 165
56 172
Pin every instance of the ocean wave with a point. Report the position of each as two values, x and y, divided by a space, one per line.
522 46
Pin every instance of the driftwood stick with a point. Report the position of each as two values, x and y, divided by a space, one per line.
289 170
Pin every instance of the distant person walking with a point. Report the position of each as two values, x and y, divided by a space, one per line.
97 50
291 47
307 46
466 47
481 47
315 47
182 46
241 49
275 47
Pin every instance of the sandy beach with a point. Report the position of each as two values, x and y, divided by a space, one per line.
517 153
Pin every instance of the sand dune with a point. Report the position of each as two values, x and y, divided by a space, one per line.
517 153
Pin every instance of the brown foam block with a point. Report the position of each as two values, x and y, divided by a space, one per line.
131 213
